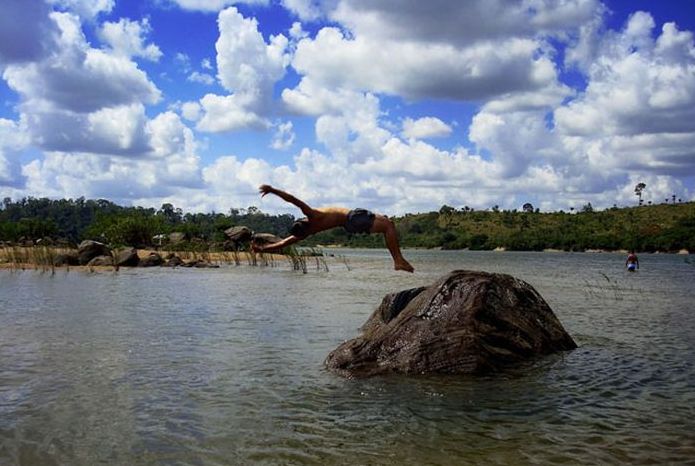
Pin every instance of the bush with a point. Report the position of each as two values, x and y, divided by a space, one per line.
479 242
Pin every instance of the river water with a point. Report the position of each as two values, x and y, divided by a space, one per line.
224 366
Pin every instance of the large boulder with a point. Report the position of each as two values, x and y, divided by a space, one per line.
88 250
265 238
239 234
127 257
466 322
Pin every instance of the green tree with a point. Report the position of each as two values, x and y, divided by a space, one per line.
130 229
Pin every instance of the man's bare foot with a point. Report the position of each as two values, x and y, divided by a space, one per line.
403 265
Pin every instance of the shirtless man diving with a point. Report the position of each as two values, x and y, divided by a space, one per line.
325 218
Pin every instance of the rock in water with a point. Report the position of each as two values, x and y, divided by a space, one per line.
466 322
152 260
127 257
88 250
101 261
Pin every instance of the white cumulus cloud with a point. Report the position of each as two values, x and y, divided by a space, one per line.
127 38
202 78
283 137
79 78
638 109
426 127
13 139
247 67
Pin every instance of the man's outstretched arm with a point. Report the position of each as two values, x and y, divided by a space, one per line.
272 247
287 197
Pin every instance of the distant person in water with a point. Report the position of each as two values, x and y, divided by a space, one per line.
632 263
325 218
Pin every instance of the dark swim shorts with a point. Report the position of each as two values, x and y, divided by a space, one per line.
359 221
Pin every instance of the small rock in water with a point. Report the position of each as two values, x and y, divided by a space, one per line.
466 322
100 261
152 260
173 261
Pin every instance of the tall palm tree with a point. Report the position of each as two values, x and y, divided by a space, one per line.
638 191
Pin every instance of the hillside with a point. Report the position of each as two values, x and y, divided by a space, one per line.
665 227
648 228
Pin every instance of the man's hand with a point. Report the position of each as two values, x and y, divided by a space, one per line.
265 189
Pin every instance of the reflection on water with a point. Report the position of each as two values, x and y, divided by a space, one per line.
224 366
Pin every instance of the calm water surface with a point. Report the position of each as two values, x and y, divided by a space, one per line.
224 366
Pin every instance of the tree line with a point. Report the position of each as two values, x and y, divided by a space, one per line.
73 220
646 228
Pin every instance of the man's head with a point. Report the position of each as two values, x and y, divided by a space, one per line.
300 228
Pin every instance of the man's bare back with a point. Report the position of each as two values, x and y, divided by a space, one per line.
325 218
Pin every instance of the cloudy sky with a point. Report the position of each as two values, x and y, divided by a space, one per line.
395 105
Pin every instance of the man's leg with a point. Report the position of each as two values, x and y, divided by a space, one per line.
386 227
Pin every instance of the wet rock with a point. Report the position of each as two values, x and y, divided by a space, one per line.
173 261
199 264
100 261
127 257
68 258
466 322
88 250
205 265
153 260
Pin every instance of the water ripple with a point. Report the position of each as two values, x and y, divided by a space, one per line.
225 367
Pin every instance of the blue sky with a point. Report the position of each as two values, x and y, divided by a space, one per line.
398 106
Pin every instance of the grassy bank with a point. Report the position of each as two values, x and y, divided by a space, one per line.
666 228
